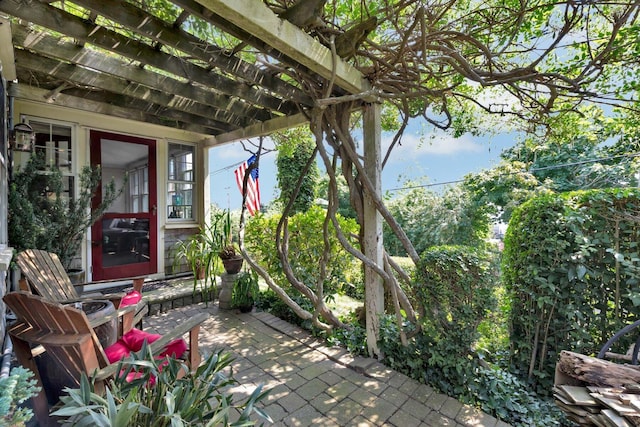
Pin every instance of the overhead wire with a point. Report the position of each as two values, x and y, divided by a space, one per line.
457 181
532 170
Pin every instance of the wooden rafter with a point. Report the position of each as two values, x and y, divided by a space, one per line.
135 19
121 60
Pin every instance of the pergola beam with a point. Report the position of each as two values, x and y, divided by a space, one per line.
260 129
138 20
31 93
73 26
227 108
254 17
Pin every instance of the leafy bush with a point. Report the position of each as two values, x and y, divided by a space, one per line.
455 293
306 248
160 396
41 216
455 290
353 337
571 266
495 391
15 390
269 301
508 398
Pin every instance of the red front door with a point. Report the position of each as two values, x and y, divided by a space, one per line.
124 240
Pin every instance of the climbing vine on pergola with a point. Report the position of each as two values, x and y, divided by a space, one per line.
449 62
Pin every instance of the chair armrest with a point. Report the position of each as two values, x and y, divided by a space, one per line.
116 314
181 329
191 325
94 296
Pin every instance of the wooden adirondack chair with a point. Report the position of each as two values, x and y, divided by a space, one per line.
67 335
46 277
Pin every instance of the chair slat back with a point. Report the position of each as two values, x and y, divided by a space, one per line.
63 331
46 275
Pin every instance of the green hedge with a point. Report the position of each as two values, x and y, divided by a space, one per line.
454 292
570 264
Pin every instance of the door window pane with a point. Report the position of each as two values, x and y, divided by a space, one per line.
139 189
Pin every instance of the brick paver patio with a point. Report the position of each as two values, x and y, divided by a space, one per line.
315 385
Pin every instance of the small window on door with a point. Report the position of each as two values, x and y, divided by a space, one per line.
181 182
139 189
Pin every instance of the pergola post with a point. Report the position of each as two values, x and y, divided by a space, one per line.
372 227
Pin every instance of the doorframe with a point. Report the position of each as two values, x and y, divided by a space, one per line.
95 140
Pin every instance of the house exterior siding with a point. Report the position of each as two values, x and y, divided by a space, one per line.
85 121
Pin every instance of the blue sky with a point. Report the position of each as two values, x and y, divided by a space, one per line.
431 160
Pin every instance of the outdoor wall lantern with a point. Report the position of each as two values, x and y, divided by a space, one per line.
21 137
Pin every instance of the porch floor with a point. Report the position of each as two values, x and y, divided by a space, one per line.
312 384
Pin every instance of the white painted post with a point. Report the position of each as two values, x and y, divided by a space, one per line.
372 228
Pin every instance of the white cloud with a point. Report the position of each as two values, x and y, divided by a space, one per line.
413 146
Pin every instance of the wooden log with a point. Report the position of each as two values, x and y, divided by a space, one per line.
598 372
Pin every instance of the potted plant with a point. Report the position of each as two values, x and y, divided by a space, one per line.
15 389
41 216
245 291
228 251
199 257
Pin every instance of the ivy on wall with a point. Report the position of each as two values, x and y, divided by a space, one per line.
571 265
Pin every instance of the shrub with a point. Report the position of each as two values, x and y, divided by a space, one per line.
455 291
571 267
495 391
15 390
198 398
306 248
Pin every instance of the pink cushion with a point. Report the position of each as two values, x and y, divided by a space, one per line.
133 341
135 338
175 348
117 351
132 298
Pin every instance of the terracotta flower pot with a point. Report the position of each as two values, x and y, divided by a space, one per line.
232 265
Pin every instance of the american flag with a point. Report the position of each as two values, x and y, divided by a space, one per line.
253 189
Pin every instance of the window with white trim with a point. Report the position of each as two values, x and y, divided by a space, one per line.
53 142
180 185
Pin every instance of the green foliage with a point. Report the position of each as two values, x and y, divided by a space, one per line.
42 217
498 191
577 152
15 390
306 248
199 398
269 301
455 290
344 202
245 290
297 147
508 398
353 337
572 268
493 390
202 251
200 258
430 219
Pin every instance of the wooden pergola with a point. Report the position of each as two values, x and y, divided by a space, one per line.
119 59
